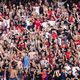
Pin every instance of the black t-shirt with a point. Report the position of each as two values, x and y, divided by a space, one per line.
1 58
1 73
23 24
49 1
69 37
41 10
58 32
79 30
38 76
57 78
5 66
50 75
1 32
63 77
7 74
28 77
70 76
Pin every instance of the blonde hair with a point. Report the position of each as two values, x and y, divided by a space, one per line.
57 73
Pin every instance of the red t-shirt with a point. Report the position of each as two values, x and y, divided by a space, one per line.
71 19
78 5
77 42
22 45
50 58
49 13
67 55
21 28
54 35
37 24
43 75
47 43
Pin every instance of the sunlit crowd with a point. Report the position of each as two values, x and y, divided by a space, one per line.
40 41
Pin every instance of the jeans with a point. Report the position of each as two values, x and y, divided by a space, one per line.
1 78
12 79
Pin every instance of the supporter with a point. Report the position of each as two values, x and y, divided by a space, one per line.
39 40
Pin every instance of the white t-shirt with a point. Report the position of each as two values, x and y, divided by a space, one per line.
52 23
74 70
59 41
27 22
1 49
65 27
1 23
47 34
67 68
36 9
60 4
44 62
7 23
45 24
32 54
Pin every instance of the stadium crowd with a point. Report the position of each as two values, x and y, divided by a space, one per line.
40 41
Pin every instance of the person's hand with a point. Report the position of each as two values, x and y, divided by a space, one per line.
68 5
12 45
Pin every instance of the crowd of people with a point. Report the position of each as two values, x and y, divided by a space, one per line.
40 40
